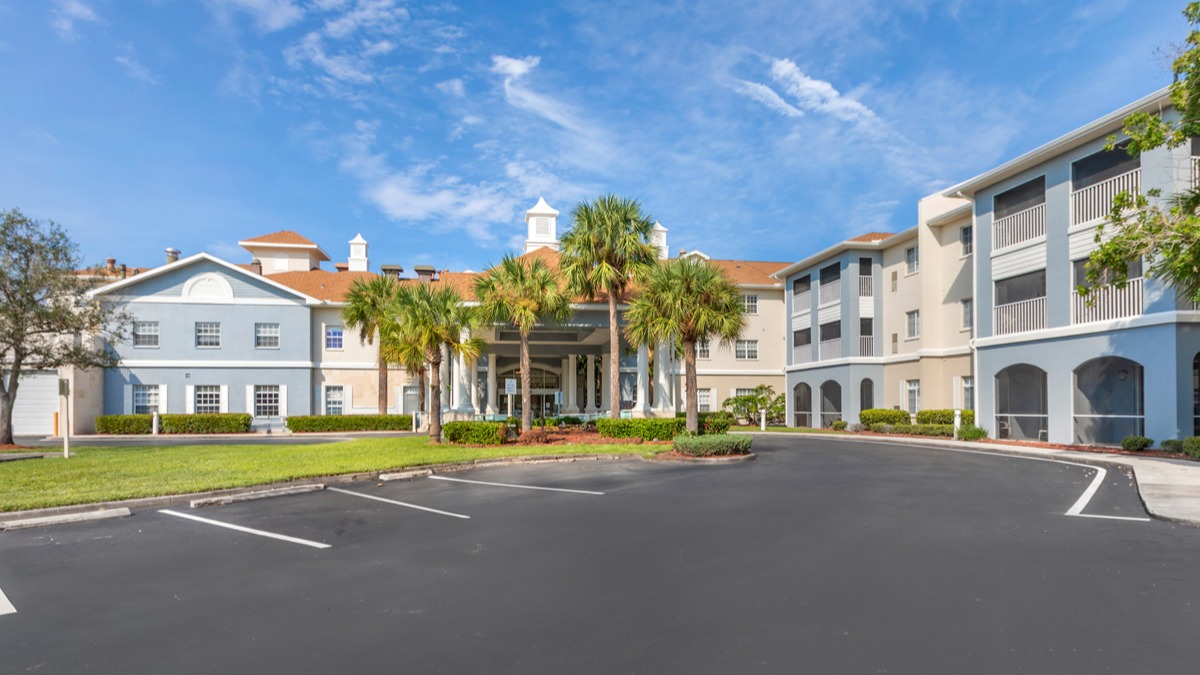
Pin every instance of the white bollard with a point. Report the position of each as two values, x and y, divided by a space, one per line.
957 421
155 424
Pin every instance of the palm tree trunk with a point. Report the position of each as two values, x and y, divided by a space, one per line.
435 402
383 383
526 382
692 421
614 356
421 389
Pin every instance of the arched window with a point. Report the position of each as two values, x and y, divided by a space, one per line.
802 404
1108 401
831 403
866 394
1021 403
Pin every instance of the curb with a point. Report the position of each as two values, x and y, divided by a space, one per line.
42 521
257 494
710 461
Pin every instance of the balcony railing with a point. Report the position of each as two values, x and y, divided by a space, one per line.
1096 201
866 345
866 286
1107 302
802 302
831 292
831 349
1020 317
1195 172
1020 226
802 354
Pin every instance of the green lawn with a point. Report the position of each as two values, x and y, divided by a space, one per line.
106 474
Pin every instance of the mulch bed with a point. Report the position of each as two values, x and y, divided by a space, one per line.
576 436
10 448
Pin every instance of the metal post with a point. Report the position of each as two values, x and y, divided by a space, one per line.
957 421
763 416
67 430
155 424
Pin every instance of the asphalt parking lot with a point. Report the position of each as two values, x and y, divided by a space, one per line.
819 557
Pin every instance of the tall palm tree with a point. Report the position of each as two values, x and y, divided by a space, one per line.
607 249
368 306
431 318
397 349
685 301
523 294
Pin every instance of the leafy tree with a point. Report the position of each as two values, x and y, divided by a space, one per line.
368 309
752 406
431 318
46 314
606 250
522 294
684 301
398 349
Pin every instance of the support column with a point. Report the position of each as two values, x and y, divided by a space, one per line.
491 384
473 378
462 380
445 379
572 395
590 397
606 373
564 385
643 380
662 378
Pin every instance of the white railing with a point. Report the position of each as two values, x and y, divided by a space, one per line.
831 292
1020 226
866 286
1195 172
1107 302
831 349
802 302
1096 201
1020 317
802 354
866 345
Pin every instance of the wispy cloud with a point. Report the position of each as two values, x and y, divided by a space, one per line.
342 67
134 69
452 88
268 15
66 14
767 96
818 95
379 16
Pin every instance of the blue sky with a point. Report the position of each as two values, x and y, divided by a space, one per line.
760 130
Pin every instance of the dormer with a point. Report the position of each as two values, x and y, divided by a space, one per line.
358 254
658 239
542 224
284 251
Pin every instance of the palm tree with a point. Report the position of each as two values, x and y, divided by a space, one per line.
607 249
397 349
522 294
368 306
685 301
431 318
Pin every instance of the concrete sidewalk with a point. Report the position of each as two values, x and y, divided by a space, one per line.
1169 488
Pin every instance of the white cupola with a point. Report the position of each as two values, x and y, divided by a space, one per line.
542 222
358 254
658 239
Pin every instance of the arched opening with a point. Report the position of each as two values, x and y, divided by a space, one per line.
802 405
544 384
1108 401
1196 396
831 403
1021 403
866 394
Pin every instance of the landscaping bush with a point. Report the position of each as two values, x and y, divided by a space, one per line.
714 422
873 416
858 427
880 427
712 446
535 436
1172 445
946 430
839 425
970 432
1136 443
944 417
648 429
221 423
555 421
311 423
1191 446
123 424
475 433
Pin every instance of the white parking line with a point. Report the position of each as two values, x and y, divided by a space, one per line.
6 606
391 501
510 485
239 528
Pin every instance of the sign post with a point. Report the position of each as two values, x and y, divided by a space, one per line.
64 390
510 389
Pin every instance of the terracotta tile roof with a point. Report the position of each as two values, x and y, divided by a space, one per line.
281 237
871 236
751 272
320 284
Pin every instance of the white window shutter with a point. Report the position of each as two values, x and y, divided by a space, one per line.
904 394
162 399
250 399
347 399
189 401
224 398
283 400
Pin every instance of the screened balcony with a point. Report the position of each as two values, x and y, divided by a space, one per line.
866 345
1096 201
831 349
1020 226
1020 317
831 292
866 286
1107 302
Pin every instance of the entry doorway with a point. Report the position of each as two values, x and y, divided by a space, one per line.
542 400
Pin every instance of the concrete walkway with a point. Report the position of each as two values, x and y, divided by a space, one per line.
1169 488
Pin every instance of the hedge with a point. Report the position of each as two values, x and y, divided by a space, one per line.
1136 443
1172 445
924 429
883 416
1191 446
712 446
311 423
944 417
223 423
650 429
568 420
970 432
475 433
714 422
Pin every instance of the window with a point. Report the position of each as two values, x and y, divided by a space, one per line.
1020 288
831 331
913 389
750 304
702 349
866 395
266 400
895 343
1021 409
1103 165
1021 198
266 336
333 337
704 400
968 313
864 267
912 260
966 236
145 334
335 403
914 324
743 392
746 349
208 334
895 276
208 399
145 399
802 285
1133 271
968 393
866 327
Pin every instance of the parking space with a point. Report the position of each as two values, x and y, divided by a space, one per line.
829 557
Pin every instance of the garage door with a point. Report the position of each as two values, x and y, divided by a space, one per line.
37 401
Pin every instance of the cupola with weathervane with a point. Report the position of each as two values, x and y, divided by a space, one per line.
542 222
658 239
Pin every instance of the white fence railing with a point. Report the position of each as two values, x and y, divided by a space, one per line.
1107 302
1195 172
1020 317
802 354
1020 226
802 302
1096 201
866 286
866 345
831 349
831 292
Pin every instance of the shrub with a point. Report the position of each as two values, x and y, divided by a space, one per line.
946 430
712 446
536 436
713 422
475 433
123 424
873 416
858 427
221 423
970 432
656 429
311 423
1191 446
1172 445
944 417
839 425
1136 443
880 428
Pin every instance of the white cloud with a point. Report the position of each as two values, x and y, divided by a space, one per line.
514 68
767 96
452 88
135 70
819 95
268 15
380 16
377 48
339 66
67 13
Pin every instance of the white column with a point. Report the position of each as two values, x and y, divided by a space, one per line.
606 375
643 379
473 378
445 377
572 384
491 383
590 385
462 380
662 377
564 385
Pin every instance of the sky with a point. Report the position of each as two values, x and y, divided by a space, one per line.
753 130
